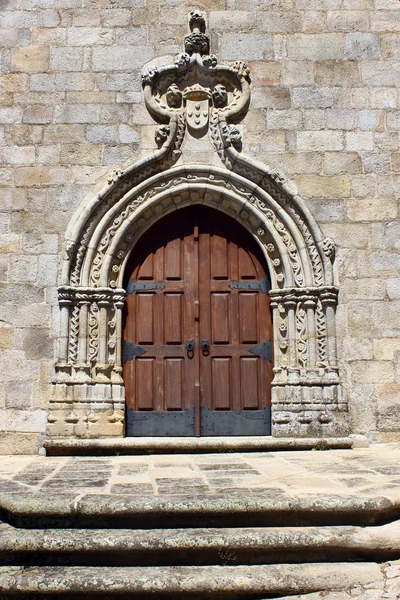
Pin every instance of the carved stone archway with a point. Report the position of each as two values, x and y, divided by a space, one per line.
88 397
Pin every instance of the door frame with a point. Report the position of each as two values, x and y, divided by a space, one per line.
306 394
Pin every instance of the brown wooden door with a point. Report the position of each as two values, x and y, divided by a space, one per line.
188 283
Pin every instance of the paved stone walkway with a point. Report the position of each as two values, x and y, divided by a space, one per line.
369 471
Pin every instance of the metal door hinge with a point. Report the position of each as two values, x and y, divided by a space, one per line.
264 350
137 286
263 285
130 351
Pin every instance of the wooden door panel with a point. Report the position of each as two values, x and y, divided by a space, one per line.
221 375
145 318
173 260
145 389
173 318
249 382
248 317
220 317
173 373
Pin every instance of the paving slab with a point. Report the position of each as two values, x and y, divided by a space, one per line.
362 480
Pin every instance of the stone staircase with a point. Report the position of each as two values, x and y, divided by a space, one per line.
247 548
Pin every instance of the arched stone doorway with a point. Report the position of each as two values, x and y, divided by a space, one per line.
197 98
197 329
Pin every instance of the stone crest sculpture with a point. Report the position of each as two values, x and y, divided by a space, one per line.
198 98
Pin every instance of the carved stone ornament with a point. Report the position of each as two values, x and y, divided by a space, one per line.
197 95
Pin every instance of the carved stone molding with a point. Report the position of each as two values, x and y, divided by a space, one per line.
199 96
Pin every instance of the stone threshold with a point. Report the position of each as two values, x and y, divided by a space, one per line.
189 445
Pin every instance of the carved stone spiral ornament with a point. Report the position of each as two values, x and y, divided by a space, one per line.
198 97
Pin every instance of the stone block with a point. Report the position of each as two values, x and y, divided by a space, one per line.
336 163
17 155
376 371
313 97
112 113
29 421
361 141
284 119
6 336
102 133
48 18
393 120
48 270
283 21
348 20
318 186
81 154
90 36
18 18
86 17
133 36
18 395
383 97
23 268
246 46
12 37
9 243
128 134
385 21
115 155
392 235
314 119
387 141
265 73
386 348
30 59
271 97
230 20
341 118
376 163
380 73
362 46
385 261
67 59
388 409
19 443
296 72
74 82
326 210
41 175
363 402
319 141
11 115
323 46
59 133
364 288
35 342
388 185
114 17
121 58
12 82
371 209
40 243
77 113
48 155
38 114
12 199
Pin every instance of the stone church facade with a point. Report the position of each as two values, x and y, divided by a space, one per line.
282 116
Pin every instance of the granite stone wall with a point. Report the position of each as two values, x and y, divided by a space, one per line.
324 110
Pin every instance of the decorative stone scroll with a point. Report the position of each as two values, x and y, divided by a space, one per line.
197 96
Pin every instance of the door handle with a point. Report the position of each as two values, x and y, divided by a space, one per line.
205 346
189 345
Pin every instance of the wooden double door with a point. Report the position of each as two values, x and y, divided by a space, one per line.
197 329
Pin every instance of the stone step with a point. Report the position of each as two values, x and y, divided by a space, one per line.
256 508
188 583
198 546
192 445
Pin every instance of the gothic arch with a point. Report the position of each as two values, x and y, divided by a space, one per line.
88 393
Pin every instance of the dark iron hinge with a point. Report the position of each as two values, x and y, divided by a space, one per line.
136 286
264 350
262 286
130 351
